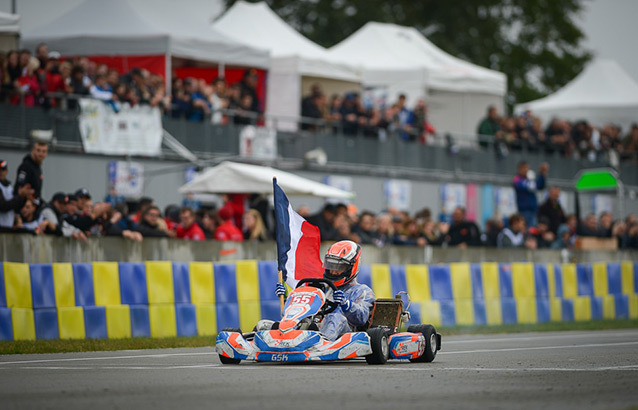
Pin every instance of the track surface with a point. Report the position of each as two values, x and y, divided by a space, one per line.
563 370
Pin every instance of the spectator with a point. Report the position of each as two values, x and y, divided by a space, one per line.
405 122
10 202
28 85
552 210
526 184
248 86
52 221
365 228
101 90
588 227
564 238
544 237
30 171
27 218
605 222
144 204
149 223
629 146
218 101
188 229
461 232
254 227
244 114
409 234
312 107
489 126
210 223
199 105
227 231
139 88
493 228
422 127
78 82
324 220
513 236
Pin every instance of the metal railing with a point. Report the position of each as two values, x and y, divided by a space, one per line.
448 157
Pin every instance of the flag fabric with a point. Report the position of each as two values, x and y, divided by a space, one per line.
298 242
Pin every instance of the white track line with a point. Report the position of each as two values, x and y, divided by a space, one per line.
514 349
77 359
530 338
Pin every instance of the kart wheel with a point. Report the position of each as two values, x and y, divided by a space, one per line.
229 360
431 345
379 345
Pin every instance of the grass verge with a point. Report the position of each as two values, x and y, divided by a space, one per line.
94 345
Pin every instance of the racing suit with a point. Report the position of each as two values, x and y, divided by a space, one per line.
341 321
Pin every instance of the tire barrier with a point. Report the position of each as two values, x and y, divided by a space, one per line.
167 299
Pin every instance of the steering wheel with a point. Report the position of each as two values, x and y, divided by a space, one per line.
321 283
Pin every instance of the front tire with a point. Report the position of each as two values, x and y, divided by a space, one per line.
229 360
431 345
379 345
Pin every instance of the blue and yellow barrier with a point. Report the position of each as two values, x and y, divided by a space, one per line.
166 299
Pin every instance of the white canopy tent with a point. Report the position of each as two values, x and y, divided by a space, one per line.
396 59
9 31
602 93
296 61
115 28
232 177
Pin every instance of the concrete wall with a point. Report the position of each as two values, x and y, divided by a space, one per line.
47 249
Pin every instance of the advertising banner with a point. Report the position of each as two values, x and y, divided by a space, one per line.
131 131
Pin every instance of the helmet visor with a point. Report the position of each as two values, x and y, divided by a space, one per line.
335 266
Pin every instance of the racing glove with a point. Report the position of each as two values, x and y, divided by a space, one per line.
280 289
339 297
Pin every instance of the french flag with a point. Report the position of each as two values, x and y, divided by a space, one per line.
298 242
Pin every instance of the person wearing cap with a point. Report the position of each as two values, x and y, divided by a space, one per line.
10 203
52 221
227 231
30 171
84 216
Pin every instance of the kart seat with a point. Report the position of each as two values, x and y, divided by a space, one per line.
385 313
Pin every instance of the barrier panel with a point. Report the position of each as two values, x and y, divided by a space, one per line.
112 300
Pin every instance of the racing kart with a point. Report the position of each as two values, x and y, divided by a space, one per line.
296 338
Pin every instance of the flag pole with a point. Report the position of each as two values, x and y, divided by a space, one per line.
281 297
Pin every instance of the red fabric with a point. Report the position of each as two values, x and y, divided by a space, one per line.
194 232
228 232
232 75
55 83
307 256
236 202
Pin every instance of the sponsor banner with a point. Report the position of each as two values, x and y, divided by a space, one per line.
472 203
505 198
258 143
131 131
126 178
397 193
602 203
452 196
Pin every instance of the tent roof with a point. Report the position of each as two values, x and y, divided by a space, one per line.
115 27
602 93
256 24
601 83
9 23
233 177
390 48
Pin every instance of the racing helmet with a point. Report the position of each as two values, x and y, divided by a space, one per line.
341 263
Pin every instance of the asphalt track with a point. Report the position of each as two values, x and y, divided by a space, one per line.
562 370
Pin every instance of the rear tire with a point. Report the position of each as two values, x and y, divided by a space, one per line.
379 345
229 360
431 347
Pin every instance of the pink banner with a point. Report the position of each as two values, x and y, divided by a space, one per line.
471 210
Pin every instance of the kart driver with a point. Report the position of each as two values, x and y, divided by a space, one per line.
355 300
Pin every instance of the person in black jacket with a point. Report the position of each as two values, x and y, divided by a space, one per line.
461 233
149 225
324 220
10 203
30 171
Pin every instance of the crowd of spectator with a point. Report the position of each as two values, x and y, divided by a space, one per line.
41 80
44 78
576 140
249 217
351 115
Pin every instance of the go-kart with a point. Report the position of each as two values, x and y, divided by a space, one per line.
296 338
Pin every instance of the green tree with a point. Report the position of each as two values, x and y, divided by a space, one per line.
534 42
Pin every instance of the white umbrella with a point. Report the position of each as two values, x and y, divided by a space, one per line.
232 177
